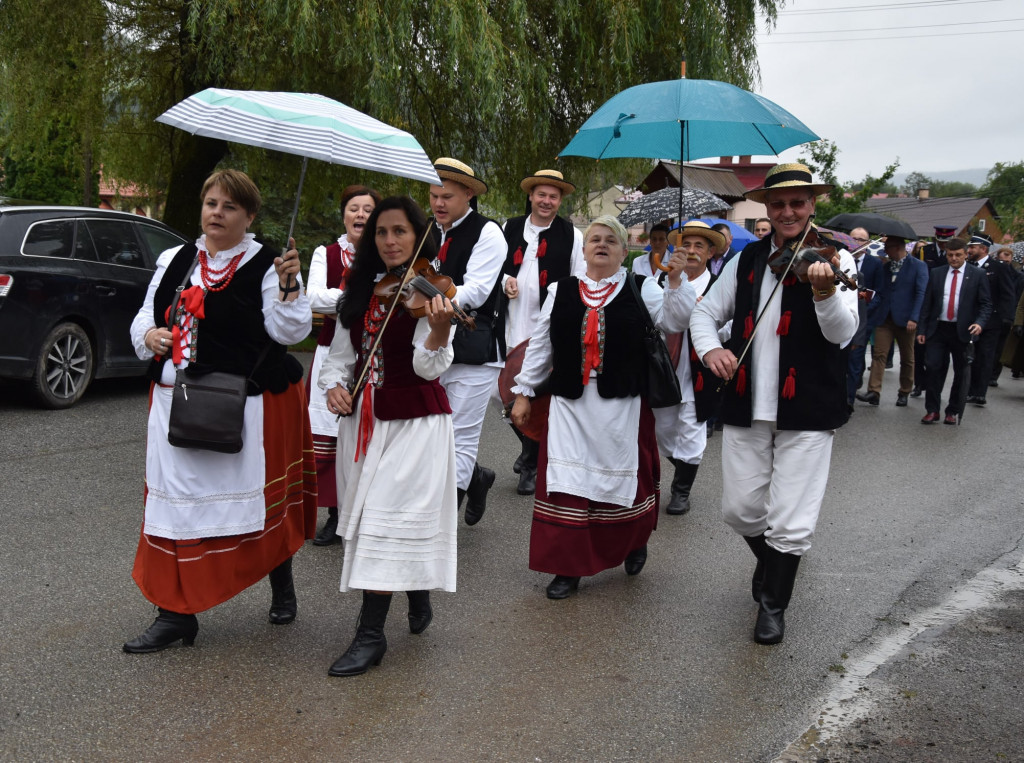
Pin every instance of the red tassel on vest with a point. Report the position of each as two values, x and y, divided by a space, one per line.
542 248
517 258
789 387
783 328
741 381
750 277
443 254
693 354
789 280
748 325
543 278
698 385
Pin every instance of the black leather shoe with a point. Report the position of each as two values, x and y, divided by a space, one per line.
365 650
871 398
972 398
283 605
476 493
562 586
635 560
993 383
328 534
950 419
517 467
980 401
420 611
527 481
901 401
916 392
165 630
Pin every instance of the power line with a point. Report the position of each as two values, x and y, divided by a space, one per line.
894 28
878 39
888 6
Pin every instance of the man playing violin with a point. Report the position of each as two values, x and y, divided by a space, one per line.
471 251
786 389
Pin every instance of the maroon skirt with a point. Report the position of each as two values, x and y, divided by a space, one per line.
575 536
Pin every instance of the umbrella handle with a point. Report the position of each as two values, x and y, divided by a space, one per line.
657 263
295 212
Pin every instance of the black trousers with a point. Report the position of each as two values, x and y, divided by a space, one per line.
986 353
941 346
997 365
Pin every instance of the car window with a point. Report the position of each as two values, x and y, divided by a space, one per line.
84 248
51 238
159 240
115 242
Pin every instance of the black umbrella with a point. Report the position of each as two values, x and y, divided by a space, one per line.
965 382
661 205
875 224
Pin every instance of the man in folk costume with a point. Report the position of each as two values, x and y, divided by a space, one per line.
682 435
542 248
787 395
471 251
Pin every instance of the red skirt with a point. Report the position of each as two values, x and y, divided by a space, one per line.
325 448
189 576
575 536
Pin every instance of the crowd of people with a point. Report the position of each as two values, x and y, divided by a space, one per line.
420 316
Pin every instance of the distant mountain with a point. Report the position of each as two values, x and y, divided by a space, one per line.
974 177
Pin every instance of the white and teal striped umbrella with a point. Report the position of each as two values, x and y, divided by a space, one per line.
306 124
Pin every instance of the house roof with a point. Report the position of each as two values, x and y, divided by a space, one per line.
924 214
717 180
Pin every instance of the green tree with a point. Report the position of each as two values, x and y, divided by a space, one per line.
824 162
937 189
501 84
1004 187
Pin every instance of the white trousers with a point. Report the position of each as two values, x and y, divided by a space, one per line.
680 435
774 483
468 388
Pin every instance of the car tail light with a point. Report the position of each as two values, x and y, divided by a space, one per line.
6 282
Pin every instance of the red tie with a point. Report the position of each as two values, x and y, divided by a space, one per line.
951 310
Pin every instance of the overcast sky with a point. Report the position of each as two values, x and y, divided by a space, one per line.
935 83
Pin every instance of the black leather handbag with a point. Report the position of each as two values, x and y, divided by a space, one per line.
208 410
662 384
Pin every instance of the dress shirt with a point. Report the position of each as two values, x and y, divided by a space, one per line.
945 294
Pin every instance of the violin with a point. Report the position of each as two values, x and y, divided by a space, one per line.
424 285
812 247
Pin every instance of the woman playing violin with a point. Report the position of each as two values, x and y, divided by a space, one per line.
396 446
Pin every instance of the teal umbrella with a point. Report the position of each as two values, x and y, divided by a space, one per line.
687 119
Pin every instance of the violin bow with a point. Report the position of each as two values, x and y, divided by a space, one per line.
757 323
407 276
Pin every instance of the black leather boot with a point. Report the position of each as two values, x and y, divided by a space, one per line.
635 560
283 605
779 576
369 645
476 493
165 630
562 586
517 467
420 611
528 468
459 494
682 481
328 534
757 545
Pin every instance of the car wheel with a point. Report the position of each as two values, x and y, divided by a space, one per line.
64 368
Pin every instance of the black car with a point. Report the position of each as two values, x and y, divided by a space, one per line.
71 281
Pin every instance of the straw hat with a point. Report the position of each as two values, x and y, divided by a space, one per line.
794 175
547 177
697 228
452 169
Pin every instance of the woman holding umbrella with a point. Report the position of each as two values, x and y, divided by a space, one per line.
215 523
396 455
598 470
327 273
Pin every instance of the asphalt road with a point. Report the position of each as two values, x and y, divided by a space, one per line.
660 667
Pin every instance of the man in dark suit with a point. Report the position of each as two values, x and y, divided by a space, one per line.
870 273
895 317
934 255
723 253
1002 286
956 306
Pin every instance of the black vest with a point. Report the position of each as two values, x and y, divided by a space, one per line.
624 372
457 250
704 382
231 336
812 370
556 262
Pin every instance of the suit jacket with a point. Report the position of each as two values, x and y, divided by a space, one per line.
902 298
872 273
932 256
975 302
1002 287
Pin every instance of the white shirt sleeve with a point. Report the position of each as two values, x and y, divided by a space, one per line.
838 316
339 366
676 307
577 263
429 364
321 299
144 319
286 322
483 268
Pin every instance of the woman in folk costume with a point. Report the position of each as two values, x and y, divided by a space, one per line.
598 470
396 445
215 523
327 273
